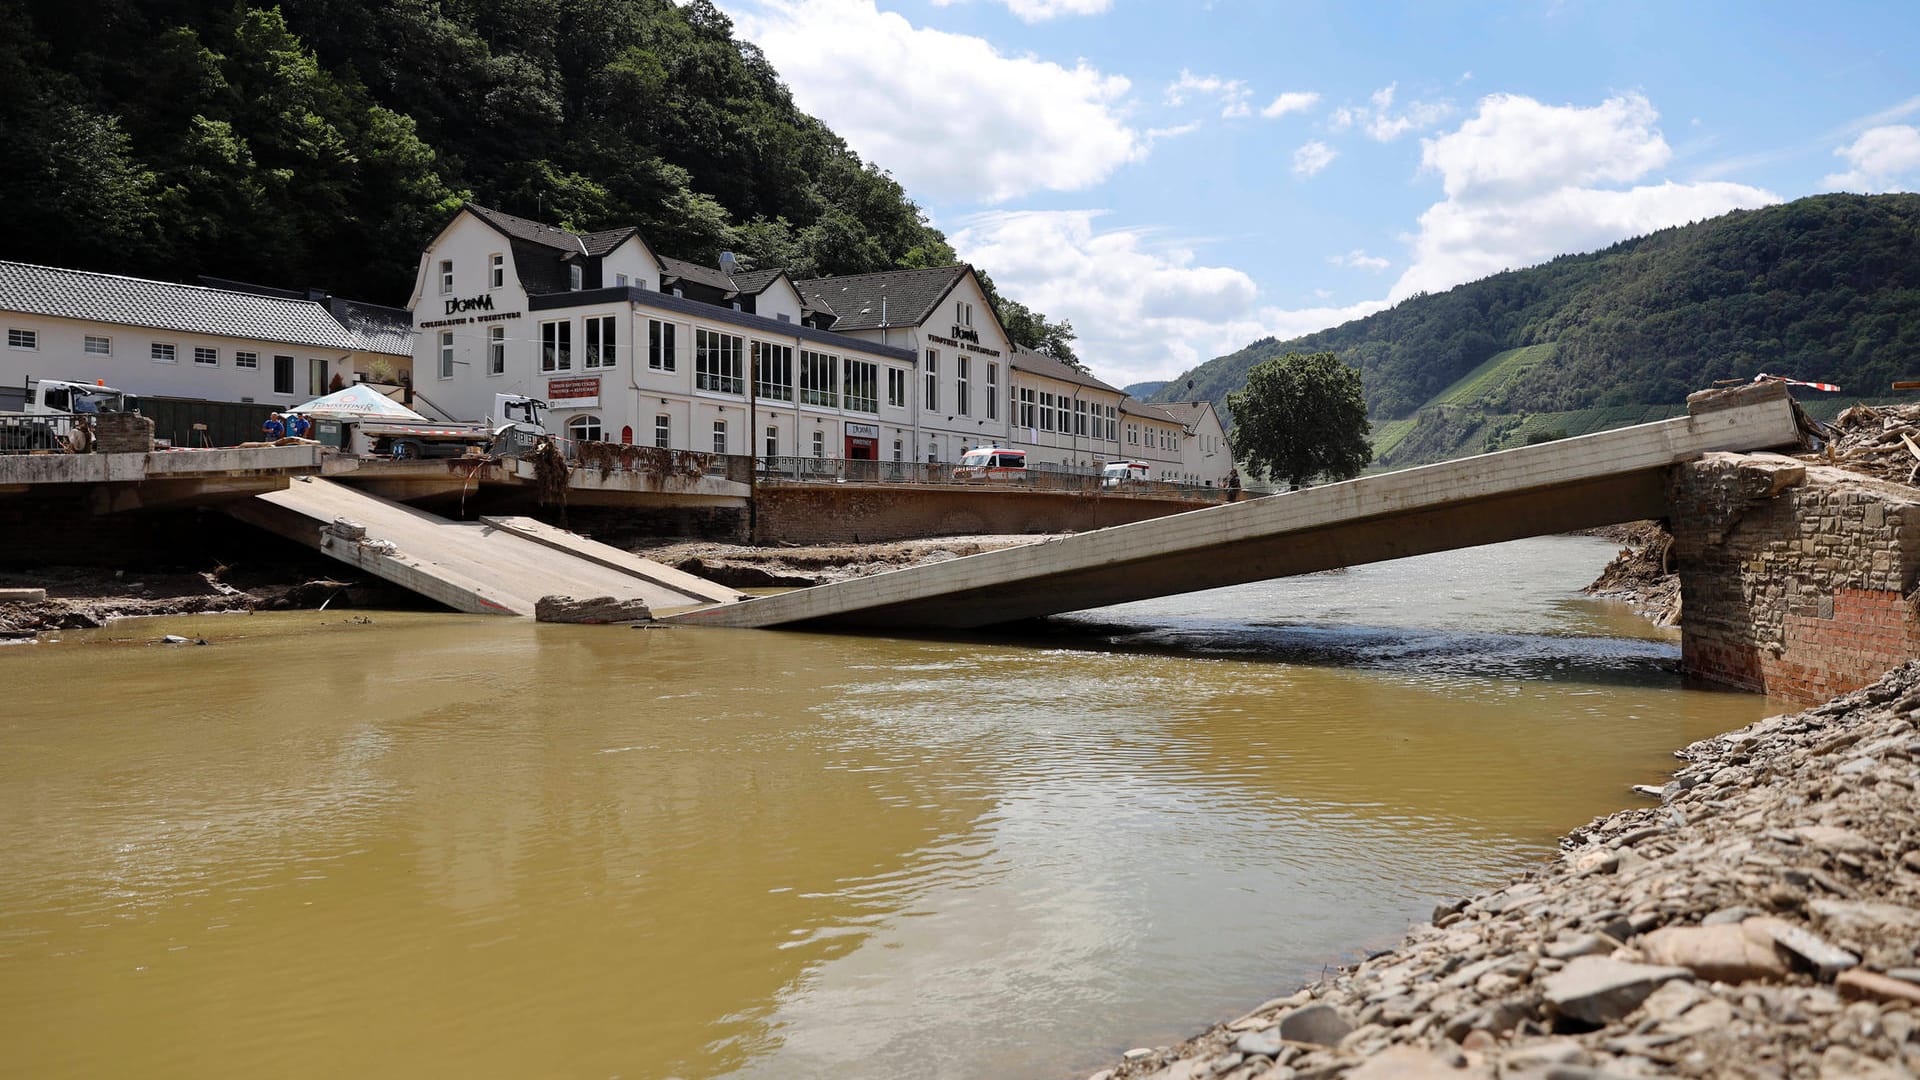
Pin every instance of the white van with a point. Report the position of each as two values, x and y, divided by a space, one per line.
992 463
1122 472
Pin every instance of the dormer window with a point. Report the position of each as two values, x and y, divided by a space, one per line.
446 277
576 277
496 271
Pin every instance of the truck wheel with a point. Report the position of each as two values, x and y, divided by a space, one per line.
408 450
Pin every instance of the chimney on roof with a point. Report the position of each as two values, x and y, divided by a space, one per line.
315 293
729 264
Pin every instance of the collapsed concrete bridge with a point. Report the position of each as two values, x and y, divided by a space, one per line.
1602 479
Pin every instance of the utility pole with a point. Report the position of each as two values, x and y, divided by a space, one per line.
753 434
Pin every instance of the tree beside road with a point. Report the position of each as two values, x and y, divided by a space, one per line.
1301 418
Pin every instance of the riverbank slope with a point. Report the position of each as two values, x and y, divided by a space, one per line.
1762 921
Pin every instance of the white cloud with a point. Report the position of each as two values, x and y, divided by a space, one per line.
1382 124
1358 259
1312 157
1144 307
1154 134
1290 102
1233 94
1883 159
1041 10
951 117
1521 182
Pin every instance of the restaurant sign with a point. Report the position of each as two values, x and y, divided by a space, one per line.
576 393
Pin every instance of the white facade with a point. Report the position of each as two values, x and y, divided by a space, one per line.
625 363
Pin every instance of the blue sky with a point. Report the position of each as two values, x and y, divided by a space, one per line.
1179 179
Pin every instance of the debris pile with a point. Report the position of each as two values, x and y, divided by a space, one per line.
1642 574
1878 440
1761 922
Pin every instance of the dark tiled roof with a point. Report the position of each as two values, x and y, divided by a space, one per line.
909 296
375 327
755 282
165 305
599 243
694 272
533 232
714 313
1034 363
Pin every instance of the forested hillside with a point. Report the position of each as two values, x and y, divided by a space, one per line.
1825 288
322 142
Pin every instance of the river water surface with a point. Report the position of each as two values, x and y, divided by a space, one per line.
446 845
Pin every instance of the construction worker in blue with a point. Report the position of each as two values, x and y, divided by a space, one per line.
275 427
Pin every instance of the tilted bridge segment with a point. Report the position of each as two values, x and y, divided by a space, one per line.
1579 483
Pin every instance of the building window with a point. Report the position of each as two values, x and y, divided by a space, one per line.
819 444
97 346
584 429
963 382
163 353
1079 417
283 374
662 430
496 350
496 270
556 346
993 391
896 388
962 313
600 342
246 360
773 441
933 453
899 450
719 436
659 345
773 371
576 277
716 362
1026 407
206 357
446 277
1113 426
819 379
22 339
620 281
932 402
863 386
316 377
446 354
1046 411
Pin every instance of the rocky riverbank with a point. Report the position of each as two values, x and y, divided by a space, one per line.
83 597
1761 921
1642 575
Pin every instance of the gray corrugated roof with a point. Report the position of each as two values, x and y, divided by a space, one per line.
908 295
375 327
1025 359
1187 412
716 313
165 305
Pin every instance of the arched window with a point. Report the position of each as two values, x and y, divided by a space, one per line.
584 429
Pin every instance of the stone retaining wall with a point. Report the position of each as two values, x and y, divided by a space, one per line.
1797 580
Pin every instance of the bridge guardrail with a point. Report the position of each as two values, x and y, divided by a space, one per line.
1039 477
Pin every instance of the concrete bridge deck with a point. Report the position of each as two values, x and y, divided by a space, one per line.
495 566
134 481
1579 483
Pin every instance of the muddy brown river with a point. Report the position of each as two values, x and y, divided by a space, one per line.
380 844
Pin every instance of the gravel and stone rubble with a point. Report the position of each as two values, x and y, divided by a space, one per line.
1762 921
1642 574
1878 440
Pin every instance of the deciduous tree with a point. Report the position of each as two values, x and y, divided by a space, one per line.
1300 418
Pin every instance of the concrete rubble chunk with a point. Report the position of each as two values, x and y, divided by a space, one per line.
1598 990
1409 1063
1265 1043
598 610
1827 959
1734 953
1857 985
1319 1024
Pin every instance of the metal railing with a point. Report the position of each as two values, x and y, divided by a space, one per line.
23 433
1041 476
